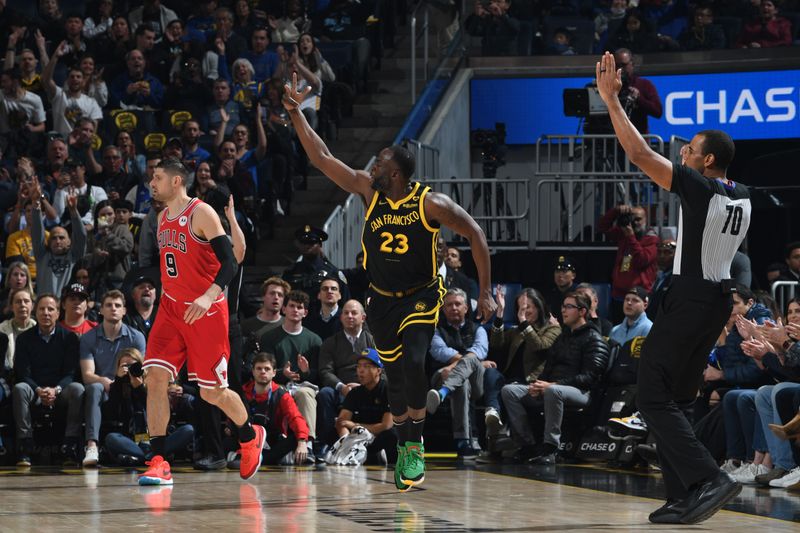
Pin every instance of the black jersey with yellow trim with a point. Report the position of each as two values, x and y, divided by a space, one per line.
399 242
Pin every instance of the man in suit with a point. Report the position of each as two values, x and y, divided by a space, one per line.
338 359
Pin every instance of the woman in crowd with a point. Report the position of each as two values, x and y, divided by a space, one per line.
93 84
17 277
110 248
99 20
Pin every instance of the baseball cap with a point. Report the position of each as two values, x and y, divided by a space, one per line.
76 289
371 355
639 291
564 263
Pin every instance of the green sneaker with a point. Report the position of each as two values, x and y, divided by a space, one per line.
413 472
398 468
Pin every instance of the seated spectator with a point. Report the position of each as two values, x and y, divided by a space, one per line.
17 277
273 293
296 351
452 260
19 245
74 305
133 163
211 120
93 84
575 364
233 173
113 177
70 103
72 35
459 348
563 283
498 30
188 90
246 20
606 22
112 46
604 324
81 145
21 114
99 349
337 367
665 259
125 410
99 20
702 33
367 406
87 195
289 27
561 43
204 183
45 366
263 62
773 272
247 91
148 243
143 305
21 303
135 88
453 278
324 319
57 253
337 97
193 153
140 195
110 247
290 66
792 259
636 323
274 408
252 158
158 61
767 30
637 247
154 15
235 44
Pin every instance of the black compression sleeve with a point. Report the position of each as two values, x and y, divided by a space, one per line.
227 262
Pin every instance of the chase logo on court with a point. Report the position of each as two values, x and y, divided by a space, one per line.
420 306
183 220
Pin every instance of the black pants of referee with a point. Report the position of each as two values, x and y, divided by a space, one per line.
690 317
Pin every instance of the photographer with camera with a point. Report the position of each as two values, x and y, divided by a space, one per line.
637 247
639 96
498 30
129 445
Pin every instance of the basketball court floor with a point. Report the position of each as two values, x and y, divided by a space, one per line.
454 498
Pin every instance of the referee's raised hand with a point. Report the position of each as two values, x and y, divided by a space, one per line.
609 78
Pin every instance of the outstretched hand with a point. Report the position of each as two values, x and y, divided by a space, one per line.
609 78
292 97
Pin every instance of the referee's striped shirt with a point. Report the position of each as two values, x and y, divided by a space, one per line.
713 222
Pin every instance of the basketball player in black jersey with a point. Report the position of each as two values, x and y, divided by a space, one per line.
399 240
715 215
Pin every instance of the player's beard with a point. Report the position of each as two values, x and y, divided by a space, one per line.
380 183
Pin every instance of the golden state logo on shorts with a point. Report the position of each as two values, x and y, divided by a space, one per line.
420 306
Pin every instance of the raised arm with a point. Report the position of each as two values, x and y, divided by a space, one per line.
353 181
609 83
442 209
261 135
50 67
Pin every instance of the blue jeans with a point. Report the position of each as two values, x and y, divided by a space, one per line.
780 450
744 433
119 444
329 401
493 381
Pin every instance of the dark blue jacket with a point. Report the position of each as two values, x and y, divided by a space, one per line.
739 369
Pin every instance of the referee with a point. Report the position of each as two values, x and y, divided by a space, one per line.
714 217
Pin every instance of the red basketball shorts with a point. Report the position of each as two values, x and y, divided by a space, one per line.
203 346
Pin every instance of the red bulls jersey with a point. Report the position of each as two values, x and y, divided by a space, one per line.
188 263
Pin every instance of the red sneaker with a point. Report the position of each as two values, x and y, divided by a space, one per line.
158 473
251 453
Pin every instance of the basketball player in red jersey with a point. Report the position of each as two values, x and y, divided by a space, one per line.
191 327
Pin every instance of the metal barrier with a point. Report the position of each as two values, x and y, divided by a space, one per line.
587 155
501 207
783 291
569 209
427 160
343 226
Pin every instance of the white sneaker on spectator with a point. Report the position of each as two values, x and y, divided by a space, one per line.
748 475
91 457
729 466
492 420
789 480
744 467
